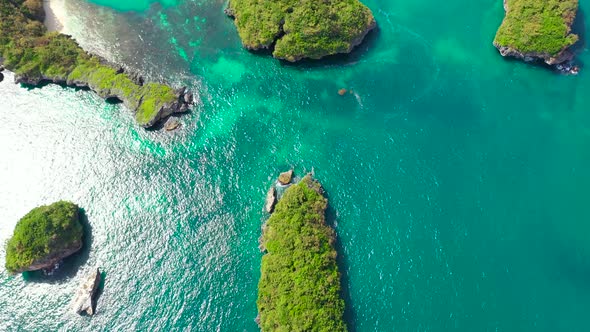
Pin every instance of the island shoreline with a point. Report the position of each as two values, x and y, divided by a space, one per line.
37 56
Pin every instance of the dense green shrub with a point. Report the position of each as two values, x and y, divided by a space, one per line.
301 28
299 288
44 231
538 26
35 54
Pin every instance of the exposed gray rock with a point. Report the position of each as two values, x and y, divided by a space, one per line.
271 199
563 56
84 299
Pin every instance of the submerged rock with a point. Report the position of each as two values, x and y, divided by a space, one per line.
271 199
342 92
285 177
84 299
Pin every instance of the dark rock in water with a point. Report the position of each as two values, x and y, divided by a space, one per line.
85 296
171 124
568 68
1 77
285 177
271 199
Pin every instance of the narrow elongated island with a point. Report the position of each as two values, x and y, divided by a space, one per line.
36 56
295 30
43 237
538 29
299 287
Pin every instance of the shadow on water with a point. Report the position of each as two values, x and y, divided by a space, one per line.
99 290
574 267
341 261
69 266
113 101
579 28
46 83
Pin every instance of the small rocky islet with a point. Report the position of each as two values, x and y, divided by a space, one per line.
299 287
295 30
84 300
37 56
43 237
539 30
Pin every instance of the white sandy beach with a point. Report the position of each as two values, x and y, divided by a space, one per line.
55 15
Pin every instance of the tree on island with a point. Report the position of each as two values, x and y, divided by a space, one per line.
299 287
44 236
300 29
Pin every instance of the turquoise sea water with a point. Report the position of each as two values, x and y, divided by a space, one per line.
457 180
135 5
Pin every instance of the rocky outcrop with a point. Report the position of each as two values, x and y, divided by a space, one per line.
564 56
271 199
171 124
285 177
542 40
84 300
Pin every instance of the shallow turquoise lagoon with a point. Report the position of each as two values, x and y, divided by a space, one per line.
457 180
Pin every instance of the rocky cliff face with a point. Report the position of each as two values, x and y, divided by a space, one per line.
49 261
564 56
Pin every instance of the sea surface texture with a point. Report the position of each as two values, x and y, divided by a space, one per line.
458 181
